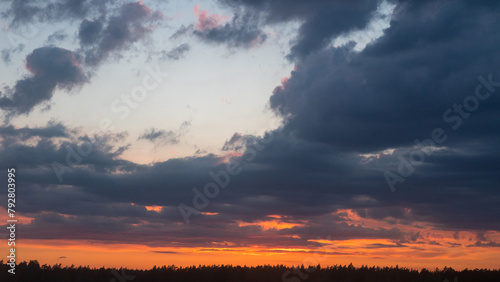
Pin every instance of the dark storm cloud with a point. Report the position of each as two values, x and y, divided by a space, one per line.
388 95
485 245
50 68
243 30
54 68
321 21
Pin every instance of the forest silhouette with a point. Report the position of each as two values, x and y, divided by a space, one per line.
32 271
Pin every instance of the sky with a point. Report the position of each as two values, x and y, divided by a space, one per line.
252 132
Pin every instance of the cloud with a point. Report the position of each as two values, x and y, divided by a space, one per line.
241 31
206 21
89 31
181 31
239 142
347 104
23 12
51 130
337 112
304 182
101 38
167 137
57 36
6 53
321 21
489 244
41 147
50 68
161 137
54 68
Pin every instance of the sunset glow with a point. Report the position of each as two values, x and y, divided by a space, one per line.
282 133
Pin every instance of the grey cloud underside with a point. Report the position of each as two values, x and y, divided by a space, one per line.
321 21
6 53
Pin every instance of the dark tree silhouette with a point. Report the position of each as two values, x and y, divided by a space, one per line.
32 271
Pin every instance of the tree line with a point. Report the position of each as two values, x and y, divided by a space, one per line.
32 271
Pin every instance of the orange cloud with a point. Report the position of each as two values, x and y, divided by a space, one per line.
271 224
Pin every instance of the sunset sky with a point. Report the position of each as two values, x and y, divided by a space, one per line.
252 132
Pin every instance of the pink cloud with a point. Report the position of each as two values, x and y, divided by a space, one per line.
207 21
